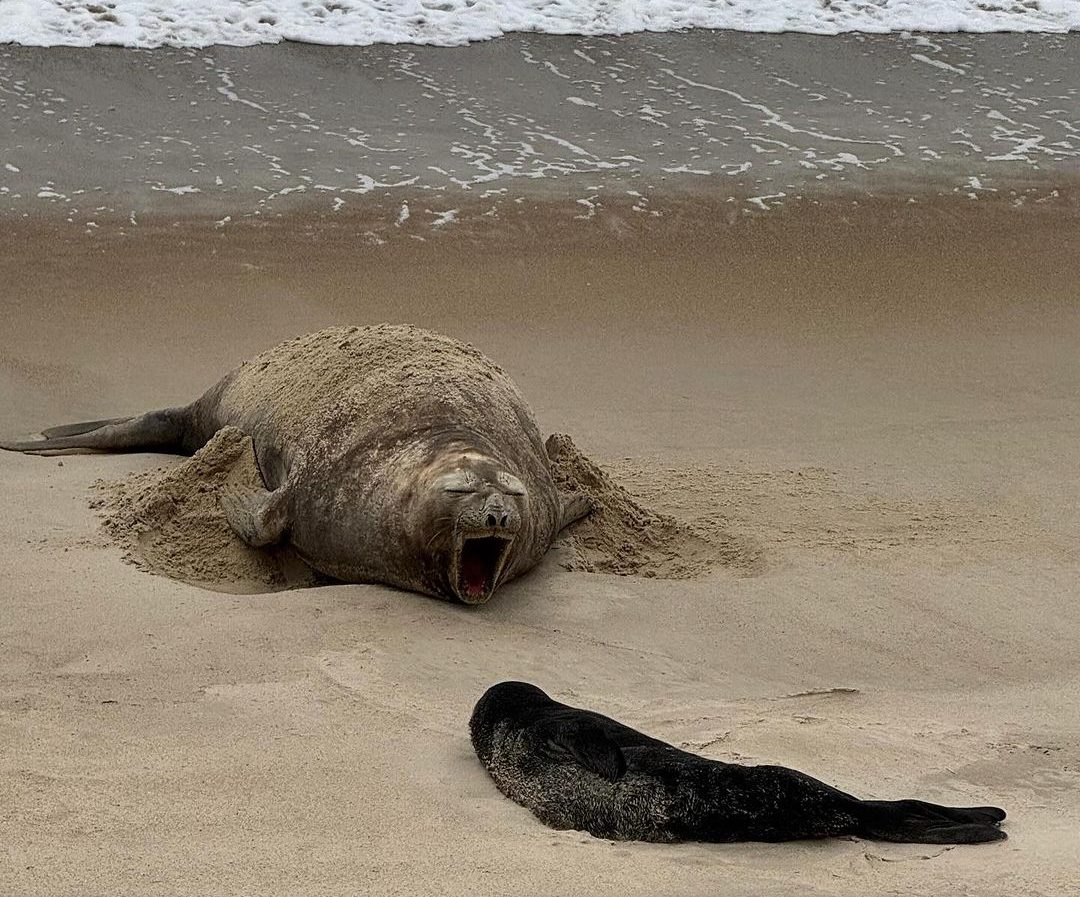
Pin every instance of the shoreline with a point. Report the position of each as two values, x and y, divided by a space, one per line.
538 225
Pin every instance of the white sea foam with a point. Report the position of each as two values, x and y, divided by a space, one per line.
200 23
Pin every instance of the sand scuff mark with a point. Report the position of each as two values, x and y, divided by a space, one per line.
168 522
625 537
821 693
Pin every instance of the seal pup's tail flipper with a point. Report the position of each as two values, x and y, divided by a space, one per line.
917 822
162 431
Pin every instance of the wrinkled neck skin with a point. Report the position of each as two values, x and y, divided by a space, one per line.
449 516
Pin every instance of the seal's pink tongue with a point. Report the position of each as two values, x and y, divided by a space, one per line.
474 575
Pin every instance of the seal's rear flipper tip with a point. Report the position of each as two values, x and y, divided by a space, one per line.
25 447
66 432
162 430
962 833
79 428
918 822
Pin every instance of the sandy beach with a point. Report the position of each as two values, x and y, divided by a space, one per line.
871 380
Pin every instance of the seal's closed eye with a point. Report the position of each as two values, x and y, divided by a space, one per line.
459 481
510 485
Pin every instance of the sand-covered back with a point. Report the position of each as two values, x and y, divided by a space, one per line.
384 383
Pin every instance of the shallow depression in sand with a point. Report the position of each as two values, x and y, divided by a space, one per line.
169 522
658 521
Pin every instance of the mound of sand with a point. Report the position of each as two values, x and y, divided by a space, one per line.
168 522
625 537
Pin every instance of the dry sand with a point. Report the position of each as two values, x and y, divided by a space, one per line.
864 414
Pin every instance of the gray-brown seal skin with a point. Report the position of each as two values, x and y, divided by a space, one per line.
575 769
390 454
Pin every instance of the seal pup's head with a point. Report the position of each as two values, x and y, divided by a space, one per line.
476 508
508 704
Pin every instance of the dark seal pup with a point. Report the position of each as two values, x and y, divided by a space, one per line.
579 770
390 454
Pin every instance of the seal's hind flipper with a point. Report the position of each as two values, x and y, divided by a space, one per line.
981 815
918 822
257 516
586 743
161 431
80 428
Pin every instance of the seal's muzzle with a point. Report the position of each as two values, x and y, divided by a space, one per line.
488 505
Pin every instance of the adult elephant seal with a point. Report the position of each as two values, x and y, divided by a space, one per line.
579 770
390 454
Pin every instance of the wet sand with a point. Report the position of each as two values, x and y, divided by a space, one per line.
881 396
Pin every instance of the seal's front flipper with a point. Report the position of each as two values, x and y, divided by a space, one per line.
257 516
575 505
585 743
162 431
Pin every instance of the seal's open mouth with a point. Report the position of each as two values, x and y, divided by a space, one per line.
480 560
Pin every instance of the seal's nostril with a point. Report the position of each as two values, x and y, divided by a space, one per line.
491 520
505 517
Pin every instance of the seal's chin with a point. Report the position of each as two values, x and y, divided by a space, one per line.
478 564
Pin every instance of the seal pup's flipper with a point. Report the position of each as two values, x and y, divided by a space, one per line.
575 505
586 743
162 430
918 822
257 516
940 811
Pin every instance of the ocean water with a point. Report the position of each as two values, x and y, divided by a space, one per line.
201 23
